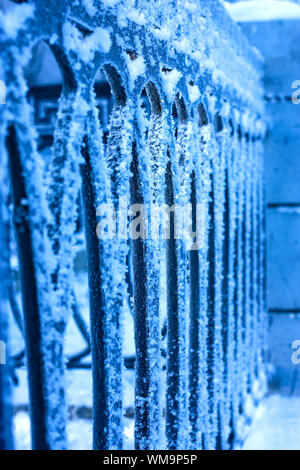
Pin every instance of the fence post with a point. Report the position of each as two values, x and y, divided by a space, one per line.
194 333
105 325
32 321
142 365
6 432
6 437
80 47
147 187
179 192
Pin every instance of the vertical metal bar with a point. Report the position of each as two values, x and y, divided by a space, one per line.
147 186
97 308
117 153
246 273
230 285
244 291
250 264
227 253
235 296
238 280
173 365
226 273
211 301
249 345
254 266
194 329
219 165
106 260
263 251
198 263
141 328
6 431
178 196
32 320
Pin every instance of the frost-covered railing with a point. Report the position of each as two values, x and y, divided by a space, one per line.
200 148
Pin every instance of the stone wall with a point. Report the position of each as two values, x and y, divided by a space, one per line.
278 41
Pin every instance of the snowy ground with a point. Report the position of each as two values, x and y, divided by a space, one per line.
276 427
263 10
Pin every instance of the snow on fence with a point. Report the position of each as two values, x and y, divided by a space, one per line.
197 144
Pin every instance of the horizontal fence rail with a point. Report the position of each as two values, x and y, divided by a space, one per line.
183 134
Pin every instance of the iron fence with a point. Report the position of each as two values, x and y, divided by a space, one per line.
186 130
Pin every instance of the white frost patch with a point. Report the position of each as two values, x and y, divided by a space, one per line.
136 67
249 406
194 92
53 38
211 100
260 386
110 3
128 434
263 10
183 45
90 7
15 20
226 109
136 16
191 6
86 47
22 431
276 425
79 433
162 33
170 80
